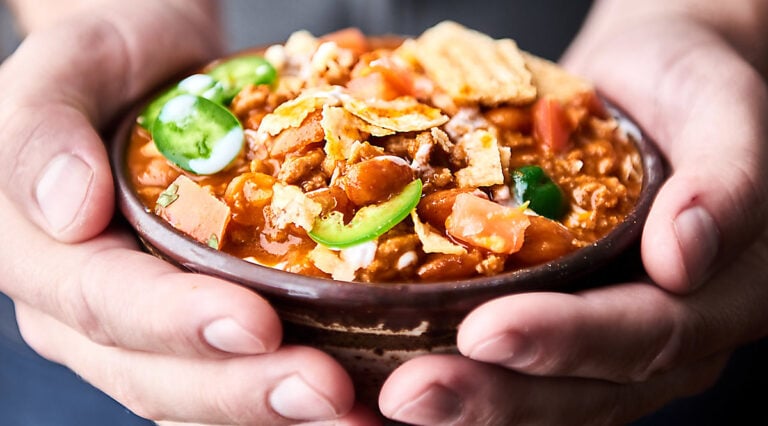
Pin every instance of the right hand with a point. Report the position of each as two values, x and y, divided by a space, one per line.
168 345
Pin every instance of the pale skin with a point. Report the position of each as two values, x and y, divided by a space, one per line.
689 73
168 345
187 348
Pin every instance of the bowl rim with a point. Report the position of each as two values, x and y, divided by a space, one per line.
556 275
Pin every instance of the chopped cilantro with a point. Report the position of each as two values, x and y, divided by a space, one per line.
168 196
213 242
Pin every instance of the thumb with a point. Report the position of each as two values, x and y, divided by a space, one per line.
705 107
70 81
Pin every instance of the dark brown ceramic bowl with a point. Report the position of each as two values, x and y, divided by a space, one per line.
372 328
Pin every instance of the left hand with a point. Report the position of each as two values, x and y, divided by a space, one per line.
610 355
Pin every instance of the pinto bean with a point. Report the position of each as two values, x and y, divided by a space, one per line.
376 180
436 207
545 240
449 266
332 198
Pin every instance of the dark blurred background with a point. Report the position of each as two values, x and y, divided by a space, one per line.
34 392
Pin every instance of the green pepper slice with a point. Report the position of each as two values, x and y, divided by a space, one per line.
197 84
532 185
369 222
240 71
197 134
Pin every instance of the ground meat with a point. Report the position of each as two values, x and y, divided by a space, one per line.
591 193
251 97
300 167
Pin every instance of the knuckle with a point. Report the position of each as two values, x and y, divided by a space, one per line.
34 335
141 407
236 410
678 341
81 299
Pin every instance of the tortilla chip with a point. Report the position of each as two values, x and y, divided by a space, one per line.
291 206
473 67
292 113
552 80
433 241
404 114
482 154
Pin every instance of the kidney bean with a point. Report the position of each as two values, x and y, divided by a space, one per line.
376 180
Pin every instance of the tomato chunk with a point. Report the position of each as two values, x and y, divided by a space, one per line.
348 38
193 210
550 124
485 224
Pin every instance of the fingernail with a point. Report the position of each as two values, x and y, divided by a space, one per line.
62 188
227 335
698 238
294 399
437 405
509 349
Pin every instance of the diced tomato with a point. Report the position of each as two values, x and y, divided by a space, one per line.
397 75
295 139
348 38
551 125
190 208
372 86
382 77
486 224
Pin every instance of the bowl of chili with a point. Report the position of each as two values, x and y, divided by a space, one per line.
375 200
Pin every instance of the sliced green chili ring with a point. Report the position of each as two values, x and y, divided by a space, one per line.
532 185
197 134
240 71
369 222
197 84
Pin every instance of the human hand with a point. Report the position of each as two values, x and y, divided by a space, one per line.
604 356
612 354
168 345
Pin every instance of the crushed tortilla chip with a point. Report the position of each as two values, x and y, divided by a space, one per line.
433 241
552 80
329 262
404 114
482 153
292 113
290 205
342 129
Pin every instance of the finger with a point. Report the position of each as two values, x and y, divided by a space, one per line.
109 291
705 108
293 383
55 162
457 391
621 333
359 415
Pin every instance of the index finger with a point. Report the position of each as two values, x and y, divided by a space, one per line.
115 295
